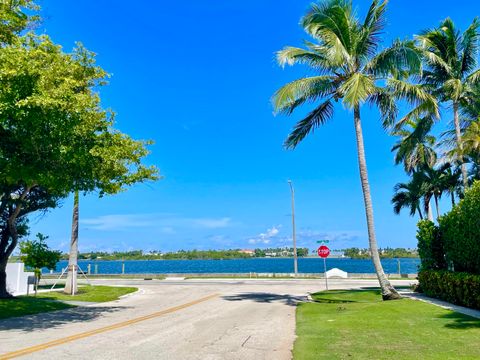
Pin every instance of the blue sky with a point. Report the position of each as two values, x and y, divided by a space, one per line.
197 78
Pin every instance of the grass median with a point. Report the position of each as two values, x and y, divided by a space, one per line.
357 324
55 300
96 293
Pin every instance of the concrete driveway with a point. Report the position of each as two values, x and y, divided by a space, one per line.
190 319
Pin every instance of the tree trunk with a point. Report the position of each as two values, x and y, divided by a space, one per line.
458 133
71 284
419 212
388 291
436 206
453 198
6 248
3 279
428 210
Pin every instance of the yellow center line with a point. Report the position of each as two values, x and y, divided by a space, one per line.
67 339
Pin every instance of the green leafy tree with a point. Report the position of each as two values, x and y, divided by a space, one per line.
54 134
350 68
115 163
451 74
16 16
37 255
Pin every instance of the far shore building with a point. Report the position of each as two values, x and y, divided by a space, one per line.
247 251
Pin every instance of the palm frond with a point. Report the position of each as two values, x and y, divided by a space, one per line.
415 94
426 108
294 55
402 55
308 125
356 89
387 106
474 77
297 92
372 28
469 46
330 23
453 89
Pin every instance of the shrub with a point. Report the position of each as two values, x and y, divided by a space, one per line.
455 287
430 246
460 230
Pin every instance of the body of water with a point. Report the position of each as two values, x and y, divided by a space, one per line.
258 265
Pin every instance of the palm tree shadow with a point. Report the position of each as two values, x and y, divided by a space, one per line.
461 321
54 319
286 299
332 301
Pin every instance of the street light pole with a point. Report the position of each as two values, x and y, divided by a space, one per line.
295 265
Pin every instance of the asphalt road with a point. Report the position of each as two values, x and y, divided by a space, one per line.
190 319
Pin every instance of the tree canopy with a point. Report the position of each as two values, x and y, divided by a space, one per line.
56 137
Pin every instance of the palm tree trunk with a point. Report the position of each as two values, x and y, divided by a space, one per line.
419 212
71 284
388 291
458 133
428 208
453 198
436 206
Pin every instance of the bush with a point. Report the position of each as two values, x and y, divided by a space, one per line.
430 246
454 287
460 230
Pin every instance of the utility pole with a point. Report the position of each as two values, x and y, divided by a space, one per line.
295 265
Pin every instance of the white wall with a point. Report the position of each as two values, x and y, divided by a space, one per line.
17 279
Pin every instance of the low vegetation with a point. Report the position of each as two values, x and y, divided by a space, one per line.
191 254
90 293
386 253
456 287
356 325
55 300
28 306
450 253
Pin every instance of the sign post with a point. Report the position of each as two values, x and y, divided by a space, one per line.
323 251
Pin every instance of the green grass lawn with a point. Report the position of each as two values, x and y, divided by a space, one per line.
51 301
27 306
90 293
359 325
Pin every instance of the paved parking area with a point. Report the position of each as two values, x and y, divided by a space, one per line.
189 319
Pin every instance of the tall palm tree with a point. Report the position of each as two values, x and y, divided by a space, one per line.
453 183
408 195
435 181
451 57
416 146
349 68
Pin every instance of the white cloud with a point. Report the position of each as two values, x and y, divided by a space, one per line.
266 237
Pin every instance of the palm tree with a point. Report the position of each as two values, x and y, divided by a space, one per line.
408 195
452 76
453 183
349 68
415 147
435 181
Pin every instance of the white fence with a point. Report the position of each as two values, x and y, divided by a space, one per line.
17 279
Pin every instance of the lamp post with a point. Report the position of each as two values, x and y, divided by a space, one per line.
295 265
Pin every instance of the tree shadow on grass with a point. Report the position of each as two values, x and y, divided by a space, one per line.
57 318
347 296
267 298
461 321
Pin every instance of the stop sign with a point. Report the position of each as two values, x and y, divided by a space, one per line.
323 251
